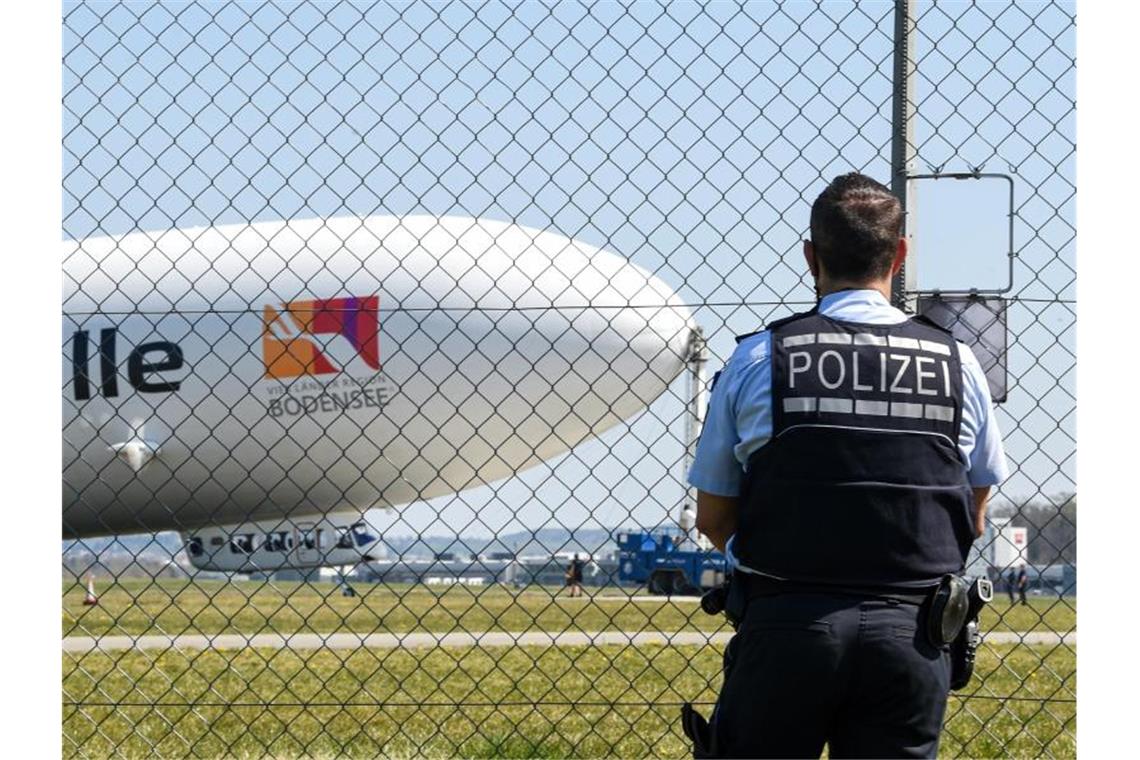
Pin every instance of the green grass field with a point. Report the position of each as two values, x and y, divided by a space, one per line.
601 701
172 607
517 702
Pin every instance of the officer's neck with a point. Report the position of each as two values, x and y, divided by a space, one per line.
826 287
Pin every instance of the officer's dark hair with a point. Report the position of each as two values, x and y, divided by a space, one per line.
855 227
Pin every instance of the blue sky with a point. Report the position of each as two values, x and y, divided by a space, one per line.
690 139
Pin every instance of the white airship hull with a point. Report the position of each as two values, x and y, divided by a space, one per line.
233 374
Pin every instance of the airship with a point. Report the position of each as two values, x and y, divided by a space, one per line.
258 387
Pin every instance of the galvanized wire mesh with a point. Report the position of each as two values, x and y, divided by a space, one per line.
687 140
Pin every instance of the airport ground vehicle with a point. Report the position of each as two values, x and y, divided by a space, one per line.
668 562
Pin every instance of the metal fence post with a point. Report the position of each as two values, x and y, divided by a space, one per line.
903 148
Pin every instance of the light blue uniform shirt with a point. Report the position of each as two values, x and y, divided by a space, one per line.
739 416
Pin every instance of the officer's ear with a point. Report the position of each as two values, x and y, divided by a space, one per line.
809 257
900 257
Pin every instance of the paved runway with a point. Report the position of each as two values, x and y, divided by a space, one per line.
303 641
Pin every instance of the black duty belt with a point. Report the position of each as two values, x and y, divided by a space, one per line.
762 585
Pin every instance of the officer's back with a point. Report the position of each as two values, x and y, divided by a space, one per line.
844 468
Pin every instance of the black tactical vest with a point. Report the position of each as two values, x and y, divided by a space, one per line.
861 484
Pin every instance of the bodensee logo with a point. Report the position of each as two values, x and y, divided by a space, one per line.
320 337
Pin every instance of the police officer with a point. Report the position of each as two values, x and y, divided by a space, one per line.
844 468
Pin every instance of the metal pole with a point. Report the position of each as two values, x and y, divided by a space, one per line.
905 283
696 400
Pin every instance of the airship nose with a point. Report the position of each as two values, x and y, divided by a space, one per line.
669 320
659 329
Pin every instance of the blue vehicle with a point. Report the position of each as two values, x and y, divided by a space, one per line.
668 563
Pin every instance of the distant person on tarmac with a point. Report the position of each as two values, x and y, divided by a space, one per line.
574 576
1022 584
1010 584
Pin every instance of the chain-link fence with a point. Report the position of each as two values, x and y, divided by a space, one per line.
376 315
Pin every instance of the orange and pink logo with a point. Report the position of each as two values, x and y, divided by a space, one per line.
321 337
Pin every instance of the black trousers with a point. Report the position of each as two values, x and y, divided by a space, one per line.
854 673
